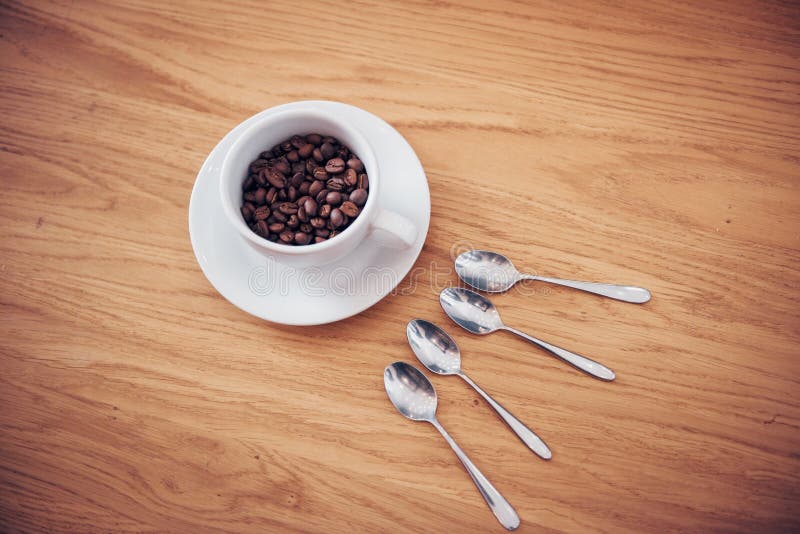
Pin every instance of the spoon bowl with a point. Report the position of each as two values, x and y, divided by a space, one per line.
434 347
410 391
487 271
471 311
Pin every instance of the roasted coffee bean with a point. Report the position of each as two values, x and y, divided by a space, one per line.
350 209
275 177
297 141
335 184
287 208
297 179
355 164
302 238
261 195
316 187
359 197
262 229
247 211
334 198
327 150
335 165
320 173
350 177
305 150
301 213
306 189
337 217
310 206
261 213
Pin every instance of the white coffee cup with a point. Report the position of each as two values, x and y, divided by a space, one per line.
386 228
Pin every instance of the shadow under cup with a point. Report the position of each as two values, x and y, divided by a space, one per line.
265 133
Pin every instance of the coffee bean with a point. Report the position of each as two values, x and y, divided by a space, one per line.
310 206
262 229
275 177
350 177
335 165
247 211
316 187
297 141
355 164
297 179
350 209
306 189
337 217
305 150
334 198
327 150
335 184
287 208
359 197
261 213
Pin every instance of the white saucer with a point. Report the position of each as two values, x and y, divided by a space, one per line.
316 295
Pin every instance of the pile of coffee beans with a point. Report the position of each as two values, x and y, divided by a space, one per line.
304 190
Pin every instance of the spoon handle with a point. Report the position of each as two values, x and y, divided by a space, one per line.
524 433
636 295
499 506
583 363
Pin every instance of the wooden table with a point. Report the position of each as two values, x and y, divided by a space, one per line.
648 143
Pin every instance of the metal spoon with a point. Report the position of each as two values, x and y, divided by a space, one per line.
414 397
439 353
494 273
475 313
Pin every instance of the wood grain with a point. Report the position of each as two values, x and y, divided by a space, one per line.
652 143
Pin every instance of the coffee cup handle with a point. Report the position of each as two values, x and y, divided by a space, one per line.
393 230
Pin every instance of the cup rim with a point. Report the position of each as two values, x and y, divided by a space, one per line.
234 214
